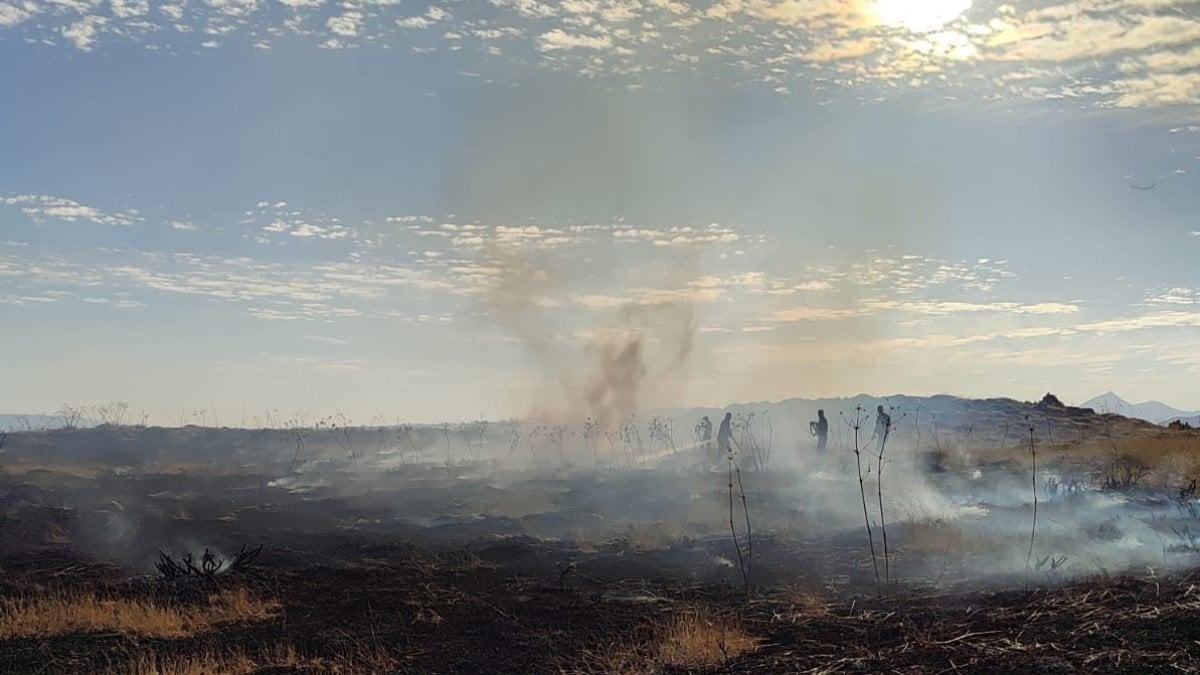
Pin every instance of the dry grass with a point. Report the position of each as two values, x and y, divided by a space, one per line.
937 537
50 469
364 659
805 602
694 641
1169 456
63 612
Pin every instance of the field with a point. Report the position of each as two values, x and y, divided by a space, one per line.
521 549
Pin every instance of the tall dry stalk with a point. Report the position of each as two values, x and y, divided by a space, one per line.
1033 529
917 423
733 531
856 425
745 512
887 574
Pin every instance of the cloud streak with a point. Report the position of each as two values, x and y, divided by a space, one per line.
1111 53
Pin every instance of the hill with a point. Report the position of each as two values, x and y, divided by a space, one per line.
1151 411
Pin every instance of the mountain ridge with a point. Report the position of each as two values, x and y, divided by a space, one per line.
1156 412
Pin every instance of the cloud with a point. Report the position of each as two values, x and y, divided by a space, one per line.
326 340
1165 319
128 9
559 39
83 33
1175 296
346 366
679 235
12 14
42 207
345 25
940 308
793 314
1106 53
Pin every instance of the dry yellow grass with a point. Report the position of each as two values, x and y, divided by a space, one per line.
1168 455
63 612
693 641
697 640
364 659
56 470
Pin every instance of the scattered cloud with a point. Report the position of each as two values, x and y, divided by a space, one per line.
559 39
45 207
82 34
326 340
940 308
793 314
1127 53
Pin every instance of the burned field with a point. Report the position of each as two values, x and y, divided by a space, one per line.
128 550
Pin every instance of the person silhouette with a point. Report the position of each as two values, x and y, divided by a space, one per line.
704 431
883 425
725 434
820 429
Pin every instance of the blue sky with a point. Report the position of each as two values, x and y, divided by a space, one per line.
412 210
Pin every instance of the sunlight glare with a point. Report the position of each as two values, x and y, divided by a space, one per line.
920 16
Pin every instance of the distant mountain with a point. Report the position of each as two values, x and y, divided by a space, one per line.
1193 421
1151 411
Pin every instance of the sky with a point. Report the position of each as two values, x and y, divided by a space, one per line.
220 210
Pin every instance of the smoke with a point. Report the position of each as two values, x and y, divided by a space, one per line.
626 367
604 357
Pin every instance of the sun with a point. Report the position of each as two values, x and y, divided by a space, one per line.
919 16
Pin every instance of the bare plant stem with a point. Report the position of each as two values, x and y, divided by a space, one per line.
857 425
1033 529
917 422
746 512
733 531
887 574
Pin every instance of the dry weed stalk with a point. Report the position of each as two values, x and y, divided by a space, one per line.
856 424
917 424
887 573
733 529
745 512
210 565
1033 529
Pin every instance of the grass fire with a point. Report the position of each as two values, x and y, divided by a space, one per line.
599 337
634 547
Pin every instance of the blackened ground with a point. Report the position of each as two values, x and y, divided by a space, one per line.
452 575
503 609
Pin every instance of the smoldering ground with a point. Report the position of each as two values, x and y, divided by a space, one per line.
957 508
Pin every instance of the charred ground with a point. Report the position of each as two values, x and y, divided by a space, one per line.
388 558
